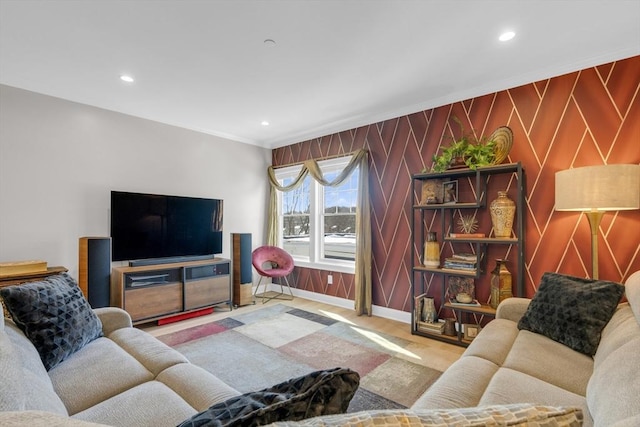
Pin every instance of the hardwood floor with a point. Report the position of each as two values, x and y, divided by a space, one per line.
442 354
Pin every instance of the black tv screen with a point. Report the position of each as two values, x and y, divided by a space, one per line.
149 226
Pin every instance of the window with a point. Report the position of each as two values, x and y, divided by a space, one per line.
318 223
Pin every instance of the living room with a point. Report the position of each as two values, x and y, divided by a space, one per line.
60 159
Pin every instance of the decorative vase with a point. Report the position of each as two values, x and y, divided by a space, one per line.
429 313
431 250
502 210
500 283
449 327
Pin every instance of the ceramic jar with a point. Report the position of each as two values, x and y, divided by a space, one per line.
431 251
429 313
502 210
501 281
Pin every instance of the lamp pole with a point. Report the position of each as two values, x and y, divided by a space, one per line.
594 218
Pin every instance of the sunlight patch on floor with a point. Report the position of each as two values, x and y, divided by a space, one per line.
337 317
385 342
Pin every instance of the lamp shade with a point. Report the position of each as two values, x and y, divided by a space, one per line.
598 188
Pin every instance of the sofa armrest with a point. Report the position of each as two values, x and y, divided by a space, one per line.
113 318
512 308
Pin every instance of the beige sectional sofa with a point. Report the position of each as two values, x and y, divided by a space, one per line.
125 378
129 378
506 365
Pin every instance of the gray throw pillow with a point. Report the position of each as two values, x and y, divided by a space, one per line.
54 315
572 310
318 393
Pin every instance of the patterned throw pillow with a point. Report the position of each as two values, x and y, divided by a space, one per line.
572 310
54 315
514 415
318 393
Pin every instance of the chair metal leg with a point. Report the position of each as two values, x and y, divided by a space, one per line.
255 293
282 295
288 287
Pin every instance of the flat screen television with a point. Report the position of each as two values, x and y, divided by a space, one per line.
156 227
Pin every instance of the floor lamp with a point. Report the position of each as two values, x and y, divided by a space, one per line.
595 190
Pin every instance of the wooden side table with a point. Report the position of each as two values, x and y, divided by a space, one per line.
19 279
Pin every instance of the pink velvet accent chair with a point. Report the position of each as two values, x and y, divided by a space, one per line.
273 262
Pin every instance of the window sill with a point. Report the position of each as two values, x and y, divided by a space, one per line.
335 267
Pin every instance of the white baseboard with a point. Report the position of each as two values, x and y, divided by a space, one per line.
384 312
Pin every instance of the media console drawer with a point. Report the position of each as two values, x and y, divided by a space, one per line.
200 293
152 292
152 301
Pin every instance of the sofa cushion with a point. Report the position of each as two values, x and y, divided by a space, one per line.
497 339
519 415
508 386
148 404
23 361
12 394
314 394
95 373
153 354
197 387
552 362
620 328
471 376
572 310
614 387
54 315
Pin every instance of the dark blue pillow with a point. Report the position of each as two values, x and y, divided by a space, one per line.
54 315
572 310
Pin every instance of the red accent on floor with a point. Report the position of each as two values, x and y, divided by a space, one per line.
183 316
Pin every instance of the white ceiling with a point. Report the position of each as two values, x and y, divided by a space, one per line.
336 65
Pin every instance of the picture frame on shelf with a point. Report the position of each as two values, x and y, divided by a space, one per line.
450 191
417 308
471 331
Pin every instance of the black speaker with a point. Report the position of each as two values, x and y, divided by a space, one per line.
95 270
242 272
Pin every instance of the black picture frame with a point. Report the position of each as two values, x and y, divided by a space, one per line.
450 191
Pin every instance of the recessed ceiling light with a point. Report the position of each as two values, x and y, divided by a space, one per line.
508 35
126 78
269 43
264 123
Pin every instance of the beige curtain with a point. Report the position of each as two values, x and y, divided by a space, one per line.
363 221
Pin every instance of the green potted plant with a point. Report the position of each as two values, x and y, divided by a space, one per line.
464 152
482 153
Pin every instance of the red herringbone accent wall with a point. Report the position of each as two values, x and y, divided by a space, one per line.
584 118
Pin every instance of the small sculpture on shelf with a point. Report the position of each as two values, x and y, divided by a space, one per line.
461 286
431 192
468 224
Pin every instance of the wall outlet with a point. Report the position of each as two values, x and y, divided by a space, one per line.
329 279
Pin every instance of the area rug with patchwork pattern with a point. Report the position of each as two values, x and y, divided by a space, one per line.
253 350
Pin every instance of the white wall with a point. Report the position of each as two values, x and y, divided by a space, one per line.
59 160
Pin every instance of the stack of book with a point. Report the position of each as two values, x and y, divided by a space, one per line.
436 327
466 262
